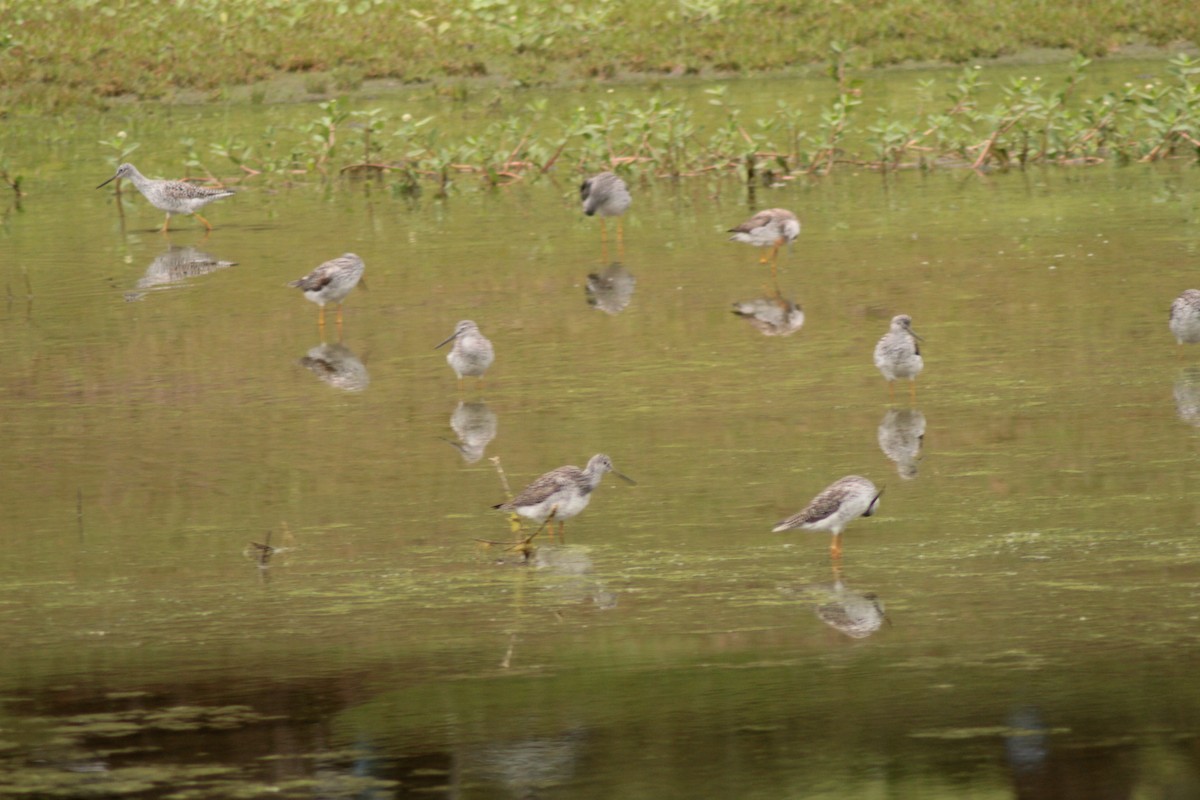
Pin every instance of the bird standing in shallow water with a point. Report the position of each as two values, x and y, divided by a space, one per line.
607 195
772 228
330 283
561 494
833 509
897 355
1185 318
173 197
472 353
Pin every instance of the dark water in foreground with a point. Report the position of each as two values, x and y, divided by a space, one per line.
1020 619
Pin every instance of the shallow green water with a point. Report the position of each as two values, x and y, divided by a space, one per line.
1037 561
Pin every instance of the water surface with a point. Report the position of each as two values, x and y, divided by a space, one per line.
1019 620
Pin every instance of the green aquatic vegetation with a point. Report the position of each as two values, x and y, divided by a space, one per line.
118 149
1032 122
61 54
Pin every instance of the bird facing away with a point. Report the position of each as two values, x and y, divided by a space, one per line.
472 353
330 283
1185 318
607 195
773 227
173 197
561 493
833 509
897 355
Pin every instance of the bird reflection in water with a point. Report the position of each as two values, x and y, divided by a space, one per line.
262 552
569 576
475 424
771 316
856 614
174 266
338 366
524 768
1187 395
901 434
610 290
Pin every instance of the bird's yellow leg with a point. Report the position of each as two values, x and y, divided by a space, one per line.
514 522
620 240
912 391
206 223
321 318
561 537
603 230
547 521
835 547
166 224
339 316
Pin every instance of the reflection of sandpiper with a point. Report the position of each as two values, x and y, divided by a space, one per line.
174 266
561 493
568 573
771 316
338 366
330 283
1187 395
173 197
611 290
832 510
897 355
522 768
901 434
472 353
1184 320
856 614
475 425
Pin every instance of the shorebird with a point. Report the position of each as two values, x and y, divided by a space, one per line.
330 283
897 355
472 353
1185 318
607 195
773 227
834 508
173 197
561 493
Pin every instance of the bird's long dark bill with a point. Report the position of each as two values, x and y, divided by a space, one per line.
874 501
107 182
625 478
451 338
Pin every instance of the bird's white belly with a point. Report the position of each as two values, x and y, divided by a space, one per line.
568 505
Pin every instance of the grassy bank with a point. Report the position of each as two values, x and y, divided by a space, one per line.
949 125
66 52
